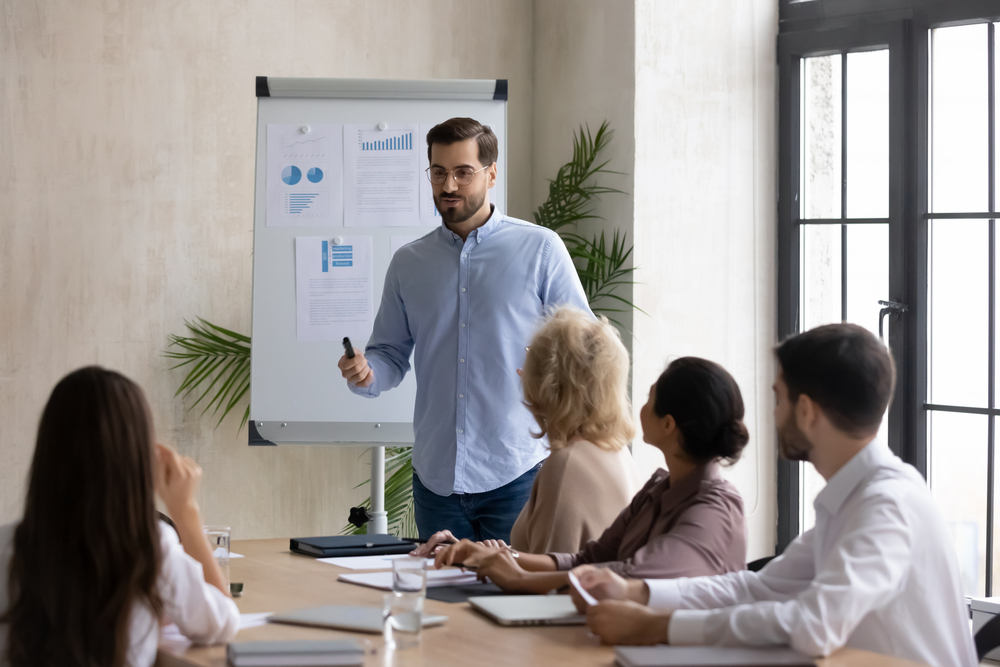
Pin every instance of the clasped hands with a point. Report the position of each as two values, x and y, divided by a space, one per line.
621 616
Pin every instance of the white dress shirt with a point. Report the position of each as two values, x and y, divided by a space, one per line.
202 613
877 573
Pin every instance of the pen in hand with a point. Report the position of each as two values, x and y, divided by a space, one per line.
348 348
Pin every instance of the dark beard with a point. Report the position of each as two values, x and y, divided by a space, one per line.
792 442
455 216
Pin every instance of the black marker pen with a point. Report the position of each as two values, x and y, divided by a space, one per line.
348 348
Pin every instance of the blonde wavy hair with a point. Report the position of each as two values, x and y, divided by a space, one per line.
575 381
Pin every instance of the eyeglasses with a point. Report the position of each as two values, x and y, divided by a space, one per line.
463 175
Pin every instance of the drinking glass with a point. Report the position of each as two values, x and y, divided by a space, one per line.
402 619
409 575
218 539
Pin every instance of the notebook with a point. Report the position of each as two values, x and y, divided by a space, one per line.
435 578
340 617
529 609
350 545
709 656
299 653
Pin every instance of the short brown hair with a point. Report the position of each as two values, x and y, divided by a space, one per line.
454 130
845 370
575 381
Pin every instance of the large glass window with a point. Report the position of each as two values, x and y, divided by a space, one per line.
887 207
961 261
844 212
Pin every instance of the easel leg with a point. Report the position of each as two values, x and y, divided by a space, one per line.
378 523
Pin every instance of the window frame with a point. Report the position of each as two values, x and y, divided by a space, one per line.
821 27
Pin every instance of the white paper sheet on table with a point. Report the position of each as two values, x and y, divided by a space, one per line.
435 579
367 562
304 175
381 176
333 288
587 597
254 620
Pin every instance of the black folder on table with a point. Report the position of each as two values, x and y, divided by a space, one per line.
351 545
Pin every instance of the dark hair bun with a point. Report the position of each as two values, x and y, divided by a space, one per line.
707 405
732 440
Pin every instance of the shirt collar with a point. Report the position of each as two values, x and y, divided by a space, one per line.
481 233
851 475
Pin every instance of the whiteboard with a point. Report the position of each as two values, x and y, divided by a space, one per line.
297 395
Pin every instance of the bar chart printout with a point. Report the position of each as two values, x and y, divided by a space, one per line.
386 141
304 184
381 175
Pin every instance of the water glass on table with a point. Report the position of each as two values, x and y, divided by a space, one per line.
218 539
409 575
402 619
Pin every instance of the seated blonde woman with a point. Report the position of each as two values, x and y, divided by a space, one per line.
575 383
686 522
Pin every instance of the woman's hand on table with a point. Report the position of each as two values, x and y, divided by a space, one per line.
444 538
438 541
622 622
464 552
502 569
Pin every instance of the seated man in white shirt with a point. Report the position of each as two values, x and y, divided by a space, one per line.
877 573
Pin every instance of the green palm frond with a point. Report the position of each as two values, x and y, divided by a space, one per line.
398 495
572 195
572 198
219 367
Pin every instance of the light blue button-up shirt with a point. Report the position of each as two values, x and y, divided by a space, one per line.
467 311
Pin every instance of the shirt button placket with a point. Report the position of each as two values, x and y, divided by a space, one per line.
461 418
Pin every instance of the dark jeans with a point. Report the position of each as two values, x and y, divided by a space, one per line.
477 516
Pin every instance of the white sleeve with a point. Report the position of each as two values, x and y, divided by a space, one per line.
786 576
201 611
867 567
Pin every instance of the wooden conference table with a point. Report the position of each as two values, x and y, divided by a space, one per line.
276 580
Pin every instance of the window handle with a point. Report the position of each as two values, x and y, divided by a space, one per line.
893 307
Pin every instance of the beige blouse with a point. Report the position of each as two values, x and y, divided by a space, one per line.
577 494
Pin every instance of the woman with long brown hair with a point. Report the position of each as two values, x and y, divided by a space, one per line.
90 573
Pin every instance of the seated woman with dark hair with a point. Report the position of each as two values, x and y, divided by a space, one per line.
684 523
90 572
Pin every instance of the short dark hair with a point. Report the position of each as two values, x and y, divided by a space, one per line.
454 130
845 370
706 403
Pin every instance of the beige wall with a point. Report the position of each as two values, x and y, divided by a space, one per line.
705 212
126 182
584 75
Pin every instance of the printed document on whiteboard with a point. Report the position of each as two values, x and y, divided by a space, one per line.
429 214
333 288
304 179
381 175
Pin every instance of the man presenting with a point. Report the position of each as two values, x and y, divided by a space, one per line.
465 300
878 571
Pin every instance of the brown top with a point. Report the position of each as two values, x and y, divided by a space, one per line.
690 529
576 496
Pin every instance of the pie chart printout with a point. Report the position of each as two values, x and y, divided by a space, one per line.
315 175
292 175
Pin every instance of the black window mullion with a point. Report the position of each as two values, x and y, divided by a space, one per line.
843 186
991 430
